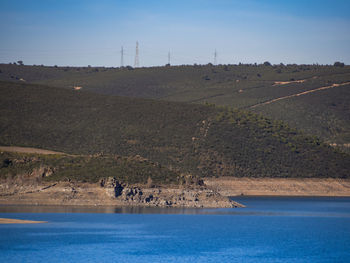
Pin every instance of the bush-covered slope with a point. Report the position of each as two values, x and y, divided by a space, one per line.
238 86
85 168
203 140
230 85
325 114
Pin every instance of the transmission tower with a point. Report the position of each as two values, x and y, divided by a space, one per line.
215 57
169 58
122 57
137 62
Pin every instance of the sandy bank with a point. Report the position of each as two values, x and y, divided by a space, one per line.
231 186
19 221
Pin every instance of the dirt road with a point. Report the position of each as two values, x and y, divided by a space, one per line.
300 94
27 150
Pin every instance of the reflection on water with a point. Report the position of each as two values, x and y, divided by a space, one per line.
295 206
261 206
97 209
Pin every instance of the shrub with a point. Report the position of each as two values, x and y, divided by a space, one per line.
339 64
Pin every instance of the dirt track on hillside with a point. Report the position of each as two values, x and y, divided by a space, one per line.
277 83
299 94
27 150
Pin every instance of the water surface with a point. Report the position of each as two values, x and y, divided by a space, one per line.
268 230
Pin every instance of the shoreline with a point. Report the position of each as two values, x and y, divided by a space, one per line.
293 196
214 193
110 192
288 187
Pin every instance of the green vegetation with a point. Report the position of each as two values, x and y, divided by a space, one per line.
325 114
85 168
216 84
262 147
185 138
236 86
339 64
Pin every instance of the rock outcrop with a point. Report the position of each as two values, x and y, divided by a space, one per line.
109 191
191 196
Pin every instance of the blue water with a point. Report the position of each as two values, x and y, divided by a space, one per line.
268 230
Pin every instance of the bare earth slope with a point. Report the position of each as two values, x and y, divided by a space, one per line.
229 186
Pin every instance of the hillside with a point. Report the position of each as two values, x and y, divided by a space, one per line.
83 168
237 86
61 179
325 114
203 140
230 85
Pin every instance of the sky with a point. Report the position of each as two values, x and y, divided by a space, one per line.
86 32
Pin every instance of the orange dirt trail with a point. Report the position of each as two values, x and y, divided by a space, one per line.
27 150
299 94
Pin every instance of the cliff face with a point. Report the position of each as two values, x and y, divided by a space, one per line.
108 191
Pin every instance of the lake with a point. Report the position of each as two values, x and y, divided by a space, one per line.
269 229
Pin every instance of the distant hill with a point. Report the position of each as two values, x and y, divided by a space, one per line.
230 85
325 114
203 140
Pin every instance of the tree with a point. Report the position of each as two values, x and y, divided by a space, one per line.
20 62
339 64
266 63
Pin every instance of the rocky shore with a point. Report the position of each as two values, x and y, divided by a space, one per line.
109 191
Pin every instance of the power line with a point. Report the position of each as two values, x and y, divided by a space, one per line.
215 57
126 54
137 61
122 57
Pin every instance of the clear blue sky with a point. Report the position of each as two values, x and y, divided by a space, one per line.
85 32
